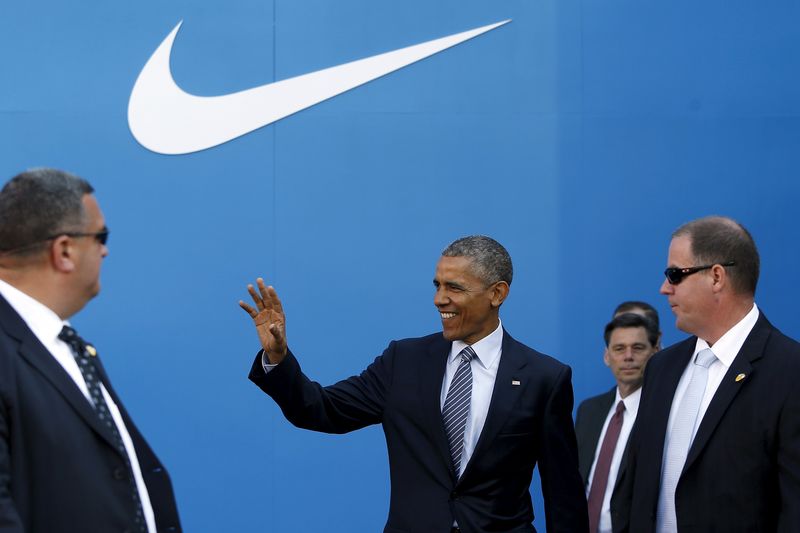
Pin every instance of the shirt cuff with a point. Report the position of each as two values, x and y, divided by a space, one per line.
265 362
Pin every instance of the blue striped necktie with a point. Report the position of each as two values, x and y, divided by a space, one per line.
456 407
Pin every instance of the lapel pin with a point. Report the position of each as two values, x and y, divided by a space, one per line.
515 382
739 378
90 350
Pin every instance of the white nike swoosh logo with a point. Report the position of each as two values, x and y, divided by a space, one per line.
167 120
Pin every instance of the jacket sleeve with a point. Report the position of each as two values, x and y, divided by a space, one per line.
564 497
348 405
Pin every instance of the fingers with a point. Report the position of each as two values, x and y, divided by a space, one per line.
247 309
256 298
275 302
279 334
262 289
263 298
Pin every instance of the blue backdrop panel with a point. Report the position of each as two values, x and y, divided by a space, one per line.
579 135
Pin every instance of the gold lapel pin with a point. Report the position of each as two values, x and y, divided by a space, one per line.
515 382
90 350
739 378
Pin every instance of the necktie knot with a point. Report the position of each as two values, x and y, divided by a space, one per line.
71 337
705 358
467 354
620 408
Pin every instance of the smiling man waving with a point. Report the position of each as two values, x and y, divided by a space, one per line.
468 413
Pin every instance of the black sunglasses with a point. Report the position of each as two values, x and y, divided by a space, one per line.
675 275
100 236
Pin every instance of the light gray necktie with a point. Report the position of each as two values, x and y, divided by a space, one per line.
679 439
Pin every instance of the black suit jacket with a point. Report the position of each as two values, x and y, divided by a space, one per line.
527 423
742 473
589 421
59 469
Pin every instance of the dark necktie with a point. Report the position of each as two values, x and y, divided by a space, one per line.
600 480
456 407
83 352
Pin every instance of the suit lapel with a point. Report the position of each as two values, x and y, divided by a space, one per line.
752 349
39 358
431 393
504 396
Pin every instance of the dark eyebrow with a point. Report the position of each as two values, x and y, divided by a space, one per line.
451 284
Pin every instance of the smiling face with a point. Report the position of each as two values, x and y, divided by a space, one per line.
468 308
626 355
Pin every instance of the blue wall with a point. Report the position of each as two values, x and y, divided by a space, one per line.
579 135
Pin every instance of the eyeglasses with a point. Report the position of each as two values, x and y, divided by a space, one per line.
100 236
675 275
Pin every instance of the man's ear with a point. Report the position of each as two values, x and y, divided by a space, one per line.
605 357
499 293
719 278
62 254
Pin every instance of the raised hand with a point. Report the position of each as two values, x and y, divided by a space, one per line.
269 320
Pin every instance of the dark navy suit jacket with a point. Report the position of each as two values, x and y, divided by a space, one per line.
528 423
59 469
742 473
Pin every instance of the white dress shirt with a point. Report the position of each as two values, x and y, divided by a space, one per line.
629 417
725 349
46 325
484 373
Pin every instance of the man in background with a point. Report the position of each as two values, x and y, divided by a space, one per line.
71 458
603 423
644 309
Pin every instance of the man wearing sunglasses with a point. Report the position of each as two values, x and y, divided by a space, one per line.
71 458
716 445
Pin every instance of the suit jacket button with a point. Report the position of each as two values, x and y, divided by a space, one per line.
454 495
118 473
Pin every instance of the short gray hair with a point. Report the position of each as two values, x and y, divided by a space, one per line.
38 204
490 260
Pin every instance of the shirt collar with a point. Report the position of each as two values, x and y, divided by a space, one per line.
729 344
42 321
631 401
487 349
